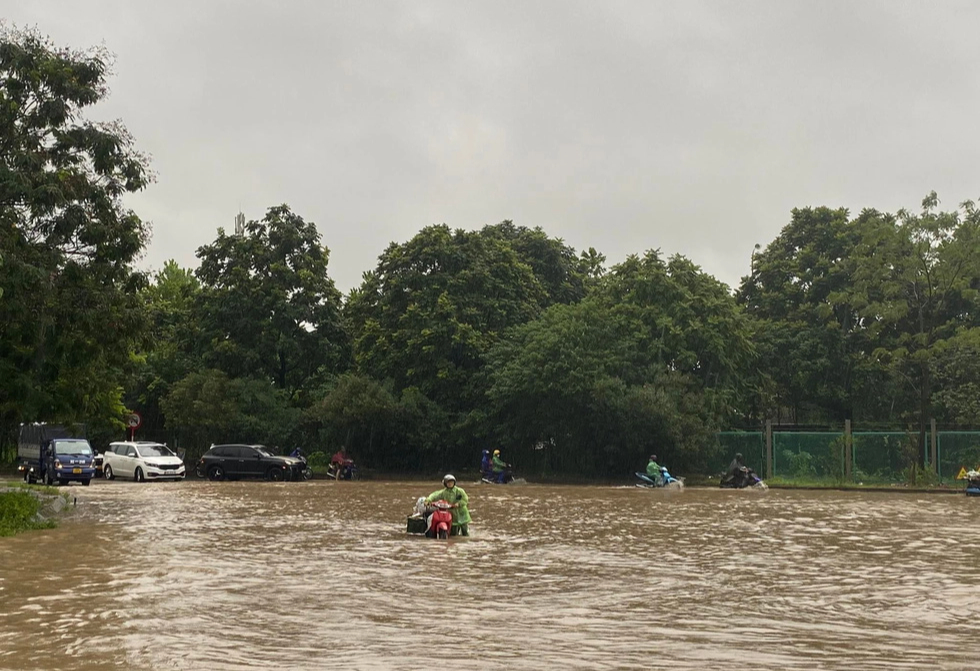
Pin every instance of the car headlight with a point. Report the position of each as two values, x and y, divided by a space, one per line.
57 464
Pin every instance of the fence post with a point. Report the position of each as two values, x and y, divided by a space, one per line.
848 450
768 449
933 456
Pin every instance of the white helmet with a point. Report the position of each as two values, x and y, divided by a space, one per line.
447 477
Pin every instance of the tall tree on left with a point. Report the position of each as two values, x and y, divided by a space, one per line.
69 311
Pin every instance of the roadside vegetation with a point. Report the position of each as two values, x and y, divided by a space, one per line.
23 509
456 340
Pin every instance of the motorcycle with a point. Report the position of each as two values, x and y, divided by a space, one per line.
305 469
491 478
433 520
744 478
666 480
345 471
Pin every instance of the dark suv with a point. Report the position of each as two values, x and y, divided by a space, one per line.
231 462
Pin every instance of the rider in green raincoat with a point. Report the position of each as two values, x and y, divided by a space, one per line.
456 497
653 470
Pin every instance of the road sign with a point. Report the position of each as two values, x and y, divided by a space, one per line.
962 474
134 420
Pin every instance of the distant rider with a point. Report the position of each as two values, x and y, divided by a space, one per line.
499 467
653 470
342 464
486 465
457 498
736 470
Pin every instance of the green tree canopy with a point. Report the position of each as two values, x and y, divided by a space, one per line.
208 407
812 341
915 287
70 309
650 362
268 307
435 305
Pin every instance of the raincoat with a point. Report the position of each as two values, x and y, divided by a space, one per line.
461 514
653 469
499 464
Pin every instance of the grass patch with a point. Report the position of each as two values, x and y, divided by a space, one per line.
43 489
833 483
18 512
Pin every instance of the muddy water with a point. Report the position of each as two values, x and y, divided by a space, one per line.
321 575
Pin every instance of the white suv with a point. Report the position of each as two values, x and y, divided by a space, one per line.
142 461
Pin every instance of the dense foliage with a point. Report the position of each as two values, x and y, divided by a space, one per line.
457 340
69 305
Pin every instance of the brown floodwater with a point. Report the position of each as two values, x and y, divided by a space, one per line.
321 575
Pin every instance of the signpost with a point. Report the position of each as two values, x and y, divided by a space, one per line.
134 421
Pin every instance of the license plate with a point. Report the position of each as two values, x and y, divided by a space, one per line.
76 470
169 471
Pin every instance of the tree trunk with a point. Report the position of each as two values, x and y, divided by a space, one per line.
924 394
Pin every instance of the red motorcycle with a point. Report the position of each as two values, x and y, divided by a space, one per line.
440 521
431 519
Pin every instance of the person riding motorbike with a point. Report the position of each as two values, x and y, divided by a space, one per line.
486 465
459 502
297 453
500 467
342 464
653 470
736 473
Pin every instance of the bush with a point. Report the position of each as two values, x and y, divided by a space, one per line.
318 461
18 512
800 464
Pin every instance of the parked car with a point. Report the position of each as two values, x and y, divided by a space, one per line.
231 462
142 461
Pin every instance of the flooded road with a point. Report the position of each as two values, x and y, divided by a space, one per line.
321 575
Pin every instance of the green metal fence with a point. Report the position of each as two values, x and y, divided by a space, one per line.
751 445
882 456
875 456
957 449
808 454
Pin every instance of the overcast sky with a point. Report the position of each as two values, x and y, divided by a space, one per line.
693 127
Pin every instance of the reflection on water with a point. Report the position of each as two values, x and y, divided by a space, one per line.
320 575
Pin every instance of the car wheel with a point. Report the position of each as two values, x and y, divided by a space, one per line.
107 472
275 474
216 473
200 471
138 475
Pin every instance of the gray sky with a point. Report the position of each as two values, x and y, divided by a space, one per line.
690 126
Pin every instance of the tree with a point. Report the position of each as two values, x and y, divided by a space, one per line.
813 343
434 306
70 308
268 306
552 261
209 406
955 372
652 360
915 285
170 347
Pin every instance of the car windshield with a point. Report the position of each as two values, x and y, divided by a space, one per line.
264 451
155 451
72 447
